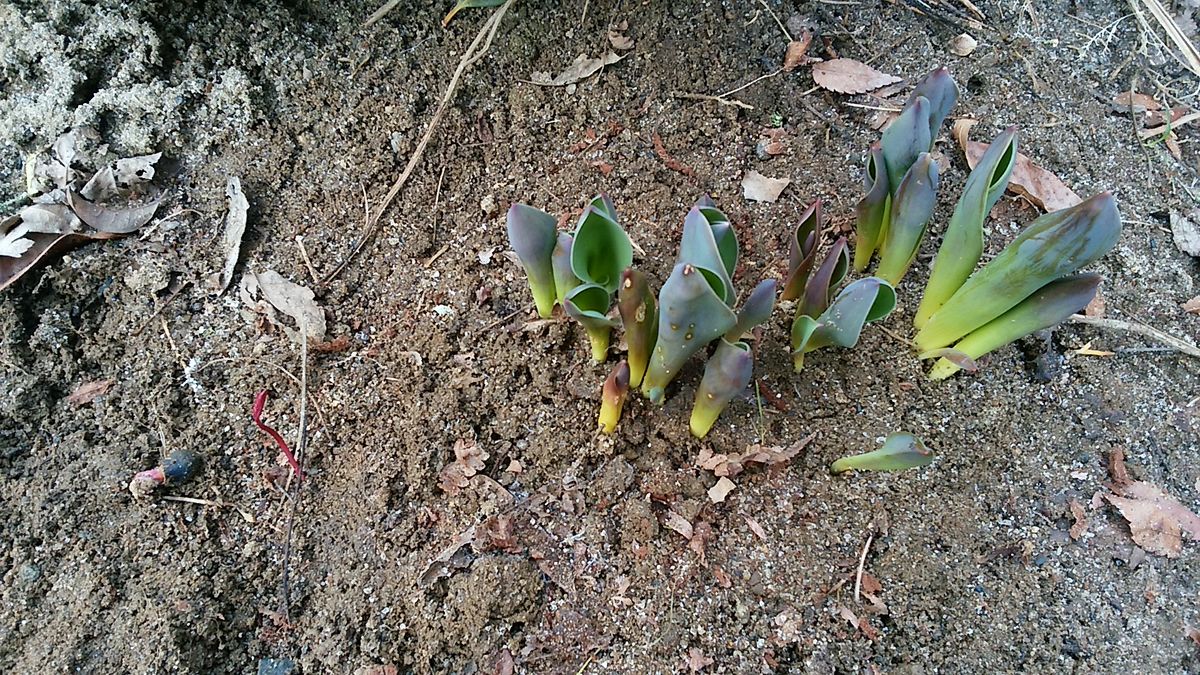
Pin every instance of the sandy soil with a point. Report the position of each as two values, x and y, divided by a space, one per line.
574 568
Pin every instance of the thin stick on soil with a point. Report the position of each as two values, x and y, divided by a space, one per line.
1177 344
307 261
156 312
477 49
862 562
775 16
301 445
754 81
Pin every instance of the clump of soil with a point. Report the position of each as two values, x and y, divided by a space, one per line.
577 560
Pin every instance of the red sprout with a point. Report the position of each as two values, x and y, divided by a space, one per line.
260 401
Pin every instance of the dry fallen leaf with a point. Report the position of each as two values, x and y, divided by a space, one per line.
1029 180
1157 521
696 660
847 76
963 45
755 528
699 541
617 37
112 220
797 51
269 294
1116 468
760 188
440 566
678 523
582 67
732 465
1138 103
1192 306
134 170
89 391
1186 233
1096 306
1192 633
235 227
718 492
1080 526
469 460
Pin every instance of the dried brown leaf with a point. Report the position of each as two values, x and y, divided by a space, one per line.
617 37
676 522
963 45
440 565
696 660
1139 103
1096 306
1029 180
1186 233
1116 468
269 294
870 584
1192 306
1157 521
847 76
44 247
111 220
235 227
582 67
719 491
703 533
89 391
760 188
1192 634
1081 524
755 528
797 52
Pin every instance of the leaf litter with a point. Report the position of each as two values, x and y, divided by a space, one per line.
269 295
581 68
1041 187
235 229
469 459
760 188
89 391
847 76
1157 521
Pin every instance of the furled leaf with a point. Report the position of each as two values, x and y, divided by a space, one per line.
1047 306
560 265
639 315
905 139
910 212
700 248
847 76
900 451
589 304
872 212
802 251
612 397
755 310
1052 246
841 324
601 250
726 374
532 235
1029 180
939 89
820 288
962 244
690 316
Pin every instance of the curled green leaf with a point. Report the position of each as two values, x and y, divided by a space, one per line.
911 210
601 249
756 309
726 374
589 304
1046 307
1052 246
639 315
962 245
872 212
841 324
560 263
531 234
690 315
829 275
709 245
939 89
900 451
905 139
802 251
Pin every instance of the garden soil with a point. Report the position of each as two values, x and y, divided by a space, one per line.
589 554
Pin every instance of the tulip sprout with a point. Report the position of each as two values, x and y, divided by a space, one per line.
901 181
820 322
1027 287
900 451
580 271
612 397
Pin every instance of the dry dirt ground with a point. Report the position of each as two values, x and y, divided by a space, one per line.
574 568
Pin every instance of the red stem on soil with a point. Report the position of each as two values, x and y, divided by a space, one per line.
260 401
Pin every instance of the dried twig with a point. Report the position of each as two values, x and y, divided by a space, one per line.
862 562
775 16
706 97
1175 343
301 446
1191 57
473 53
381 12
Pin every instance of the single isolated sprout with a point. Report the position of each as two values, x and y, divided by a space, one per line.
531 234
900 451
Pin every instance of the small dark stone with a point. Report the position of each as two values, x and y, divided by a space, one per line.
180 466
